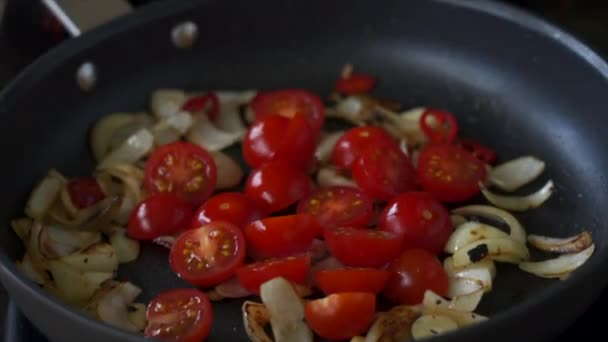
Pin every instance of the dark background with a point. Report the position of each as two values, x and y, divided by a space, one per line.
25 35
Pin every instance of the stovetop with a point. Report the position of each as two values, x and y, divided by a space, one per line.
589 22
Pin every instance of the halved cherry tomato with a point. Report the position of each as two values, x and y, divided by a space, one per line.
450 173
356 84
439 126
277 185
479 151
281 236
183 168
208 255
183 315
411 274
352 144
233 207
384 171
288 103
351 280
160 214
341 316
420 219
293 268
84 192
363 247
338 206
199 103
275 137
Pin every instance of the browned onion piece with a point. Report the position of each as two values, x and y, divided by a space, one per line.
516 230
504 250
470 232
22 227
393 325
56 242
256 318
560 266
572 244
94 218
432 325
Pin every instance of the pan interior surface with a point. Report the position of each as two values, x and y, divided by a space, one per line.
514 88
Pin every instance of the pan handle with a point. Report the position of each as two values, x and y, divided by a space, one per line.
78 16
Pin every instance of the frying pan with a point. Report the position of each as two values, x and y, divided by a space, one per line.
515 82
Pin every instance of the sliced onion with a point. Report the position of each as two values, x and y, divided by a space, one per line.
560 266
138 122
432 300
134 148
103 130
56 242
256 318
73 285
97 258
470 232
205 134
35 274
483 271
172 128
516 231
113 309
126 249
462 318
503 250
167 102
229 118
131 177
165 241
516 173
393 325
466 294
432 325
330 176
326 146
137 315
351 109
232 288
286 311
520 203
44 195
457 220
241 97
93 218
409 124
229 172
22 227
572 244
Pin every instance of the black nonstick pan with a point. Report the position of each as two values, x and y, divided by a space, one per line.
515 82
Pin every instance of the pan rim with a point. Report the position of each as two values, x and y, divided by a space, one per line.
42 66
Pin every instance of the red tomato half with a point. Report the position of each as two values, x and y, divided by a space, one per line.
383 172
183 315
183 168
352 144
199 103
356 84
439 126
411 274
479 151
208 255
293 268
341 316
288 103
84 192
161 214
363 247
450 173
420 219
338 206
281 236
233 207
277 185
275 137
351 280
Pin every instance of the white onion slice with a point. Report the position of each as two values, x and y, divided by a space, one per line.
22 227
516 231
75 286
329 176
483 271
516 173
167 102
433 300
112 307
126 249
409 124
350 109
36 274
470 232
560 266
520 203
457 220
572 244
256 317
170 129
286 311
57 242
97 258
229 172
103 130
229 118
121 134
137 315
240 97
432 325
326 146
393 325
205 134
503 250
133 149
462 318
43 196
466 294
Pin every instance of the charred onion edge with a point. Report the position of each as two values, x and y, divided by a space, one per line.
470 232
572 244
560 266
516 230
503 250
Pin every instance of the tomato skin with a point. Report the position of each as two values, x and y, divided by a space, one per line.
355 84
384 171
420 219
288 103
351 280
338 206
161 214
281 236
84 192
170 318
411 274
352 144
208 255
341 316
277 185
292 268
183 168
233 207
198 103
446 126
363 247
275 137
450 173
